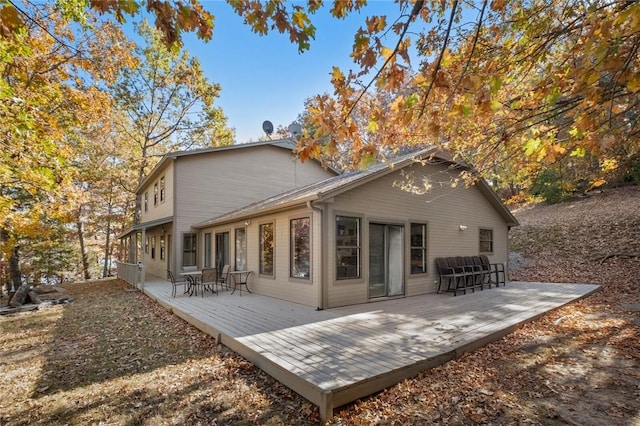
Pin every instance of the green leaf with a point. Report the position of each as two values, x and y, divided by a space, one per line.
578 152
372 127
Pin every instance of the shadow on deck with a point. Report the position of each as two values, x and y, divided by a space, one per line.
335 356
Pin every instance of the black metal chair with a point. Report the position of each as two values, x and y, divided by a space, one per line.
476 272
175 284
485 270
453 278
497 269
210 279
224 277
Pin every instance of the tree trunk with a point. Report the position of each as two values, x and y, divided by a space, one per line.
107 248
85 257
14 270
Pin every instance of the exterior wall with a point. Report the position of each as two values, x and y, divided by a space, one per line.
164 207
212 184
155 265
442 208
280 285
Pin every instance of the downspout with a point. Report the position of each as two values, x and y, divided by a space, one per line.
323 254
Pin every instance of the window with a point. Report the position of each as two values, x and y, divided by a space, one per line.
418 248
161 247
300 248
189 249
153 247
146 246
347 247
486 240
207 250
162 192
241 249
266 249
146 201
155 194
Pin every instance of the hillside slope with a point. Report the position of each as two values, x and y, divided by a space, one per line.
586 357
579 241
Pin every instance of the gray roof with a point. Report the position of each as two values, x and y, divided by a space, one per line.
335 185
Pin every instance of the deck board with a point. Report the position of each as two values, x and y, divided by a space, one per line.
335 356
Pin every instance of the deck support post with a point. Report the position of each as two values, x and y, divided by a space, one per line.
326 405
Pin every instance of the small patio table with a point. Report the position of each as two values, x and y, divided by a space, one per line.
192 278
240 279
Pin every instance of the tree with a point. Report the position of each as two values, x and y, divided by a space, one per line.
50 91
167 102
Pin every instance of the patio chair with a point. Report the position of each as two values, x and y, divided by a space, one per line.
495 268
462 268
209 279
453 278
175 284
485 270
224 277
475 270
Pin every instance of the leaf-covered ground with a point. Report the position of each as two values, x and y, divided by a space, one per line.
114 357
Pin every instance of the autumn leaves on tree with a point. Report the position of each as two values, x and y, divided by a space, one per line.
524 91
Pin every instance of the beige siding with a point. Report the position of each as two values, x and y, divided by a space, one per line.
280 285
443 208
163 208
154 265
211 184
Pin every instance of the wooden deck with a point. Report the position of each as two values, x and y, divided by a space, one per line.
335 356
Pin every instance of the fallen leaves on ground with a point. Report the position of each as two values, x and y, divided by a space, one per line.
115 357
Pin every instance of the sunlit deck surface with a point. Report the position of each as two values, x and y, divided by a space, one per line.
335 356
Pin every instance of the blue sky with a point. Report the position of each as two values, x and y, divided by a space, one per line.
264 77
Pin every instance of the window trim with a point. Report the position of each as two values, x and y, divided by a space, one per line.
146 201
424 247
261 249
155 194
358 247
292 247
207 248
490 241
162 189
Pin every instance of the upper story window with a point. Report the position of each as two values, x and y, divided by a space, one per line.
146 201
486 240
162 189
300 248
418 248
155 194
347 247
267 246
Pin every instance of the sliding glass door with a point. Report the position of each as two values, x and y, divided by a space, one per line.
386 260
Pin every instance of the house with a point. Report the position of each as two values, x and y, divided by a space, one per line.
191 186
361 236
